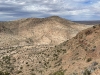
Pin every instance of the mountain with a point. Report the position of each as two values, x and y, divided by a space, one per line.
93 22
48 46
51 30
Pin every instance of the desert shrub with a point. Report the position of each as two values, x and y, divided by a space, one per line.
4 73
58 73
75 73
1 73
29 40
88 32
94 63
89 59
87 72
19 72
21 67
55 55
32 69
33 74
94 26
6 59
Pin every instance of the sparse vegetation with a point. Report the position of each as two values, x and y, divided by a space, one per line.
21 67
87 72
33 74
88 32
58 73
6 59
75 73
19 72
89 59
94 26
4 73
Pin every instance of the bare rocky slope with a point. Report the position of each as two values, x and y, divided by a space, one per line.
51 30
82 55
30 47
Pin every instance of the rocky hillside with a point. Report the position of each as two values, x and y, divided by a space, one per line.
77 56
30 47
51 30
82 53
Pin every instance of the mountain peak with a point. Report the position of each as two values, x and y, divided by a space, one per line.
53 17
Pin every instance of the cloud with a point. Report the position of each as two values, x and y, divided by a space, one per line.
69 9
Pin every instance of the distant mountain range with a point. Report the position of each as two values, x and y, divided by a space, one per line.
89 22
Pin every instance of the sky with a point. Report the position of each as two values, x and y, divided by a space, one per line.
75 10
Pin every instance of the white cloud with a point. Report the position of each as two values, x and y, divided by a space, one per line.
35 8
80 0
96 5
78 8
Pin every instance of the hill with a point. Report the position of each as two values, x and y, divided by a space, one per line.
82 53
51 30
